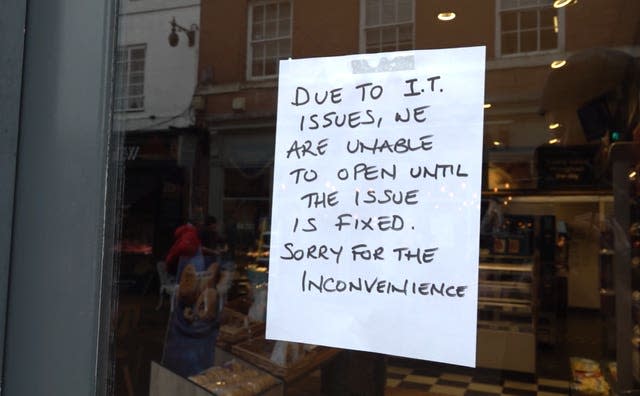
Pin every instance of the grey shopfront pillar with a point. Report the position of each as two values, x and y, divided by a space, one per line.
12 23
58 295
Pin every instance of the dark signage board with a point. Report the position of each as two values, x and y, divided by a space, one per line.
569 167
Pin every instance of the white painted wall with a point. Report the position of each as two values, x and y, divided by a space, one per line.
170 72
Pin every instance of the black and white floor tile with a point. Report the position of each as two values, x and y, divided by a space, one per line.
473 382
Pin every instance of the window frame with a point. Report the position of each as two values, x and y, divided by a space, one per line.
363 26
123 82
250 41
498 34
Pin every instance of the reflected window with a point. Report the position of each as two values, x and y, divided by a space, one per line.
387 25
528 26
269 37
130 64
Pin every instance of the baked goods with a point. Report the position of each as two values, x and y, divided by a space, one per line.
234 379
207 304
188 288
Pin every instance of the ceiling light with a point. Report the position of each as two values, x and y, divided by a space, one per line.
554 141
561 3
555 125
633 175
446 16
556 64
555 24
487 105
497 143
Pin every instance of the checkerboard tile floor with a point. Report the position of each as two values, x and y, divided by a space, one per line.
473 382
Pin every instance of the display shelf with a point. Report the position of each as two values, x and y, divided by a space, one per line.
506 312
526 268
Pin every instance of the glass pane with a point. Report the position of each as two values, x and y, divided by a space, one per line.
528 19
284 48
509 21
258 31
389 36
285 10
137 53
270 66
284 28
405 34
405 10
529 41
271 30
137 66
258 14
271 12
199 127
546 17
136 78
548 39
509 43
257 68
388 11
258 51
372 12
507 4
271 49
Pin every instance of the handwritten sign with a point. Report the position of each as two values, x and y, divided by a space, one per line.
376 203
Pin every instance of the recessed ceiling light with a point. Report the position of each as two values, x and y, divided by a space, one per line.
556 64
497 143
561 3
446 16
487 105
555 125
554 141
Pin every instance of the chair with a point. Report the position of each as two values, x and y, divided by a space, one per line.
168 284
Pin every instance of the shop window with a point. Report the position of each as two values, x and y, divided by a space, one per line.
528 26
130 64
387 25
269 37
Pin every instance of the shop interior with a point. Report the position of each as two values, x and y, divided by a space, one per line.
549 314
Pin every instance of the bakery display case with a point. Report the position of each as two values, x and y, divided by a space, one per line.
506 312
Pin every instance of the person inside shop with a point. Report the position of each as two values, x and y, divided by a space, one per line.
193 324
186 245
213 244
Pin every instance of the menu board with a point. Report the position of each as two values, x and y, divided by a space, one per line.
376 203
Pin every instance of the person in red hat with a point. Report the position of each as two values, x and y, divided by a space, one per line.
187 244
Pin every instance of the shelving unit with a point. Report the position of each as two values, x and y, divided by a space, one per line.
506 313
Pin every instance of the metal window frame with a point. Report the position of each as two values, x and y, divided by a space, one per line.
57 323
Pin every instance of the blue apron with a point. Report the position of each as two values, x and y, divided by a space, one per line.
189 346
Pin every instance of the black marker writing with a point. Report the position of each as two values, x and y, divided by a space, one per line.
438 170
367 172
300 149
303 97
416 114
387 196
320 200
307 175
399 146
380 223
312 252
330 284
421 256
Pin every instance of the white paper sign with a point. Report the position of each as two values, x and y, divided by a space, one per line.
376 203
